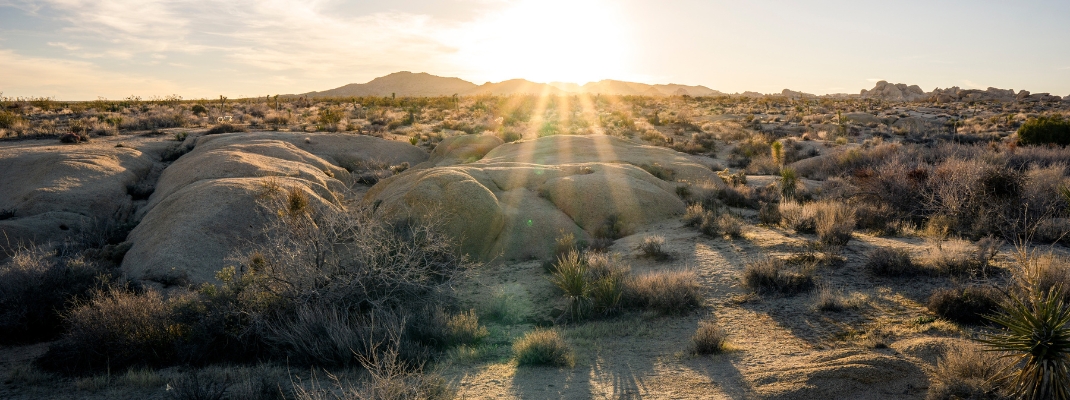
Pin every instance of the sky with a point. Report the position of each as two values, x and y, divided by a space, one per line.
85 49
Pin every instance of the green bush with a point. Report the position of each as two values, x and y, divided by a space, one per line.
1045 130
7 119
1036 332
543 347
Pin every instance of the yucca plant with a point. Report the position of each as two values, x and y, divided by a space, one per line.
1036 334
788 182
570 275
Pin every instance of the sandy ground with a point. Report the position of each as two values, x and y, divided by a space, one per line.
781 347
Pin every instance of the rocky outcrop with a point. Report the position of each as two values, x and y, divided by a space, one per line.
519 197
207 204
49 192
796 95
953 94
897 92
461 149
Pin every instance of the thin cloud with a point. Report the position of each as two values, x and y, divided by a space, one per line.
71 79
65 46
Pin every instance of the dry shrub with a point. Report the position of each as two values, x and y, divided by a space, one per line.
889 261
329 335
967 371
696 214
959 257
730 225
564 244
224 128
769 213
713 223
966 305
876 218
1042 273
464 329
591 282
116 329
776 275
797 216
36 288
388 377
709 338
543 347
834 223
828 299
653 247
197 385
670 292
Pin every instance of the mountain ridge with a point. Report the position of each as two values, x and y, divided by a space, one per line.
422 84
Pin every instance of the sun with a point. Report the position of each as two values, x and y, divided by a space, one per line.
547 40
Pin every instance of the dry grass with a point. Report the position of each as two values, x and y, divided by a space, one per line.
669 292
888 261
653 247
834 222
36 288
828 299
967 371
958 257
709 338
116 329
772 274
966 305
543 347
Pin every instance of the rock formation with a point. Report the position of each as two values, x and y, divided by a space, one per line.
519 197
897 92
205 204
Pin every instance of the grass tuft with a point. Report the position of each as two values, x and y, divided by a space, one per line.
543 347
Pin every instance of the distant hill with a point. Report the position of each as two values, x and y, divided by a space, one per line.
515 86
404 83
421 84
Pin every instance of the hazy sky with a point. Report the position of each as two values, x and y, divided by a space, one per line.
81 49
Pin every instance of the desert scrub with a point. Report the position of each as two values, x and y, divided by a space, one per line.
828 299
968 305
116 329
834 223
224 128
1036 334
709 338
543 347
713 223
967 371
504 305
590 282
773 274
796 216
669 292
890 261
37 288
958 257
1045 130
653 247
